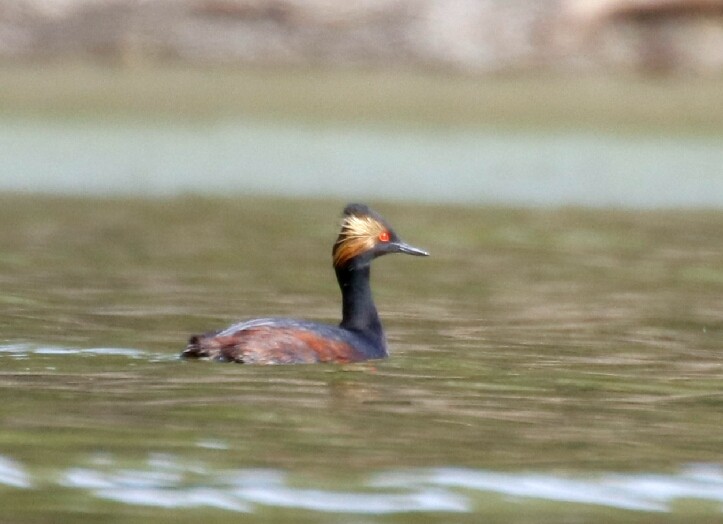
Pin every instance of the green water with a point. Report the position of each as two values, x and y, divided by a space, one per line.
536 355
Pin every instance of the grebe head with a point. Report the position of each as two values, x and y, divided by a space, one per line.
364 236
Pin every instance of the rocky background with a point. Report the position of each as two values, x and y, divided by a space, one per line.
471 36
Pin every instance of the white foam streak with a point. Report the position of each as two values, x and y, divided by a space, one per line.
13 474
27 350
641 492
179 498
359 503
168 482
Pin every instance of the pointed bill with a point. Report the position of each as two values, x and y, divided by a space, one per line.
403 247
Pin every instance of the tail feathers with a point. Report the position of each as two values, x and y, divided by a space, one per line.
208 346
194 349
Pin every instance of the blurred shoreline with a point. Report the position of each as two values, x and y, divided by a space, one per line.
470 36
597 103
194 95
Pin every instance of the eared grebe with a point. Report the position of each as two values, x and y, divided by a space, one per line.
364 236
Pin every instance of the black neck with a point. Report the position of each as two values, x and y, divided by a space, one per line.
358 311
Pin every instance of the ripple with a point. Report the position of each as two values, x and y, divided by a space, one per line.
149 488
166 481
13 474
243 490
212 444
359 503
182 498
643 492
21 351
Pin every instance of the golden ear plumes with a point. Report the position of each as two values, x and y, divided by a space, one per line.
358 234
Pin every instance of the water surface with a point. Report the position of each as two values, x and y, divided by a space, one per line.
465 165
558 363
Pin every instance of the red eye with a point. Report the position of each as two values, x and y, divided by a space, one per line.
384 236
